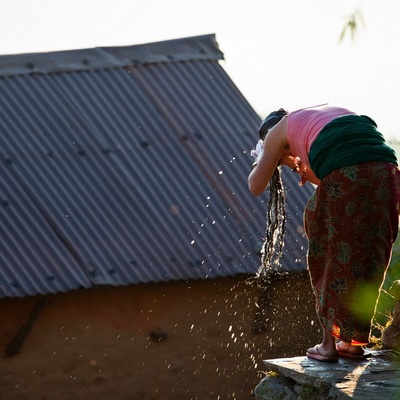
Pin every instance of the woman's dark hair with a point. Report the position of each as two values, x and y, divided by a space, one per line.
272 248
270 121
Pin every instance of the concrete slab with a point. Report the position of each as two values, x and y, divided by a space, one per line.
377 377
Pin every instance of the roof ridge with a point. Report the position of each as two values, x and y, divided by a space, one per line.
183 49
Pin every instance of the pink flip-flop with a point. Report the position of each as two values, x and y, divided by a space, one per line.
314 353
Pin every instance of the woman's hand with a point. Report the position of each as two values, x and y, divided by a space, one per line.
301 169
267 160
257 152
306 174
272 152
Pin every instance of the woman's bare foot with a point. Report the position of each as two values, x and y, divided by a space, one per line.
348 348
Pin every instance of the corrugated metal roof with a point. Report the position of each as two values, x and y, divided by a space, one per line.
125 172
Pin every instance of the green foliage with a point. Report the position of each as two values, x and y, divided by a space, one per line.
394 269
386 301
352 25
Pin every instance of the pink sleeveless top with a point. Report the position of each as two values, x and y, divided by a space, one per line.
305 124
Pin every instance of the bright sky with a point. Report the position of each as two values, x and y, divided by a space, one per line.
281 53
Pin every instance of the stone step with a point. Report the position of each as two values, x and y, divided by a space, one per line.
377 377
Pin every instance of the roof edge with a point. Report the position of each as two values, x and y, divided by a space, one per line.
189 48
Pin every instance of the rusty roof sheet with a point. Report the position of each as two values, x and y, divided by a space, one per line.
129 165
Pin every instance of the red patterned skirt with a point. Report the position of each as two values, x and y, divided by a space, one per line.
351 222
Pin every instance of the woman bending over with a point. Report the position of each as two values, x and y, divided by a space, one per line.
351 220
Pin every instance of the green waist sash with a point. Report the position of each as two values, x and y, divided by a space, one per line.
348 140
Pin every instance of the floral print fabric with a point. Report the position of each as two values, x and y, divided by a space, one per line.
351 222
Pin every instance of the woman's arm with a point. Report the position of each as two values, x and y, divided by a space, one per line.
276 152
310 176
274 145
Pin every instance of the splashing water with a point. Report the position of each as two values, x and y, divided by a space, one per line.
272 248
